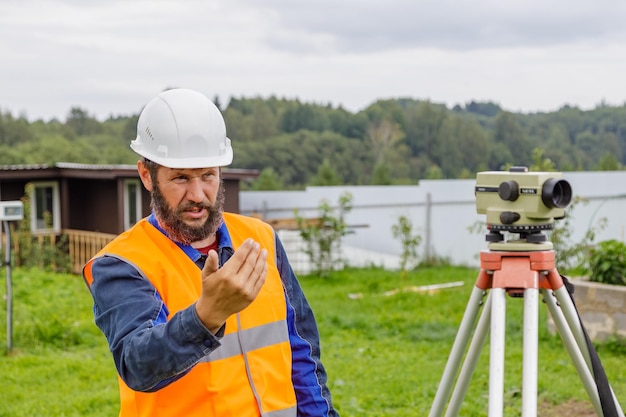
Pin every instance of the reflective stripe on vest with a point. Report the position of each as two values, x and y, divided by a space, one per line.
250 373
255 338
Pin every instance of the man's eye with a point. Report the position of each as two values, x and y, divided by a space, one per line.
179 180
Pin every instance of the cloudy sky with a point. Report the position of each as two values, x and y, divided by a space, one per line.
109 57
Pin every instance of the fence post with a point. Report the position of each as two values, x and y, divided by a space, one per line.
427 231
7 265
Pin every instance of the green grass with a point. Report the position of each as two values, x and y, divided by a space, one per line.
60 364
384 354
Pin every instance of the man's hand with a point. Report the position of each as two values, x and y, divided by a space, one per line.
230 289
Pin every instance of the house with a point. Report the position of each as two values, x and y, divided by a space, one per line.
90 200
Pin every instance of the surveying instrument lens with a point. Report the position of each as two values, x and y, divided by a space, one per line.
556 193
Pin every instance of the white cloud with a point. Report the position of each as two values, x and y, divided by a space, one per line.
111 57
357 25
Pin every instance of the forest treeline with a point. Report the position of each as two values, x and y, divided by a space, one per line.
396 141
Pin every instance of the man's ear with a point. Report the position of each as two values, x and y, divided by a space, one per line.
145 176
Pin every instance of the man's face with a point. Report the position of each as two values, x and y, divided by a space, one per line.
188 202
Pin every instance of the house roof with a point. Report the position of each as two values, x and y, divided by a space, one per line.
75 170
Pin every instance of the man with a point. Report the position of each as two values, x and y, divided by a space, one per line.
201 309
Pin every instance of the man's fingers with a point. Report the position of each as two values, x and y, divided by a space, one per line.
233 287
246 269
241 255
245 259
211 264
262 273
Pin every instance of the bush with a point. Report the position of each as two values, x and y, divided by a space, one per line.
573 256
607 263
403 230
323 237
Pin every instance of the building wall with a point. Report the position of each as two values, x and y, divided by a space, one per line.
10 191
92 206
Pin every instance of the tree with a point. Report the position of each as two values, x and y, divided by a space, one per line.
268 179
264 121
446 152
540 163
386 139
299 156
558 147
423 121
500 156
394 141
82 123
217 102
238 127
305 116
608 163
473 144
488 109
509 133
14 131
434 173
382 174
326 175
383 135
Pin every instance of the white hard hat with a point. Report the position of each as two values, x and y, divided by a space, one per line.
182 128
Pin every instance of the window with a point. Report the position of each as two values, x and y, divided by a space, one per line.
45 211
132 202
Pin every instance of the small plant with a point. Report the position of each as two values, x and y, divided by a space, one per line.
403 230
323 236
573 255
608 262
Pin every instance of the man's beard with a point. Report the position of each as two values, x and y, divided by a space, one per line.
170 219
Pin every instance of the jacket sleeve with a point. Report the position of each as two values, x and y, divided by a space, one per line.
308 373
149 351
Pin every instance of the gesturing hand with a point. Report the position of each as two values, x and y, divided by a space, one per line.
230 289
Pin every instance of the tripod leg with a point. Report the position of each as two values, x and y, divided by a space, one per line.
568 310
473 353
530 352
496 358
573 349
458 349
571 316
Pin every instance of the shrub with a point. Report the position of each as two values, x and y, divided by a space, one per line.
403 230
573 255
323 237
607 263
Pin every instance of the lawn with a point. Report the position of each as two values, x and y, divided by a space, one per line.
384 348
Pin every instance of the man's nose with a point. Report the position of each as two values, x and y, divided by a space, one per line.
195 190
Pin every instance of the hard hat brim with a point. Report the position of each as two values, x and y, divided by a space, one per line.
188 163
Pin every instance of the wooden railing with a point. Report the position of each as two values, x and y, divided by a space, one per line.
83 245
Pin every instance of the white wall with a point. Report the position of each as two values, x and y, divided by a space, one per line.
446 228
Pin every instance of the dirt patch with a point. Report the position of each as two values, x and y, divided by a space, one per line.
571 408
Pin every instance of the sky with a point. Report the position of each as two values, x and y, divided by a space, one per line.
110 57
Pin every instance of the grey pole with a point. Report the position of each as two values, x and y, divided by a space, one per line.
7 263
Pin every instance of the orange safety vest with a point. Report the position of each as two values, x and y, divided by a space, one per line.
250 373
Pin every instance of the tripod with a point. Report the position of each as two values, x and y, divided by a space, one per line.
526 271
